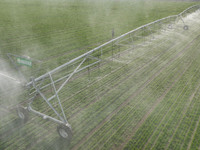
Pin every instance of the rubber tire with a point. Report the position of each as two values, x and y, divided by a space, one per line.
67 132
186 27
23 114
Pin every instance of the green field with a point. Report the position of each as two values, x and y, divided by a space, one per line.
143 97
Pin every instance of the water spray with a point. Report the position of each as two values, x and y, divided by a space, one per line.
10 78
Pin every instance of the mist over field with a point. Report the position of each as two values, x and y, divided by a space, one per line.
142 94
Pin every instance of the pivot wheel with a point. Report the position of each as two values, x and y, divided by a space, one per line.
186 27
65 132
23 114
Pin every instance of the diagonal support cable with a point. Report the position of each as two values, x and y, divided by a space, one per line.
71 75
42 95
57 96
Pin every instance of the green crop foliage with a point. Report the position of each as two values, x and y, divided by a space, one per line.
144 95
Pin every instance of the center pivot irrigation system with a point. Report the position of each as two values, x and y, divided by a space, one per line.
59 77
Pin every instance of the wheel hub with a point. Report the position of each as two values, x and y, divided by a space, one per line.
63 133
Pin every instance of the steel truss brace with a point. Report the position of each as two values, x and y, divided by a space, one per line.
62 116
66 76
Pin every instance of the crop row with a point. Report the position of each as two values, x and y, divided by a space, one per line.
148 127
111 96
92 113
134 109
15 137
